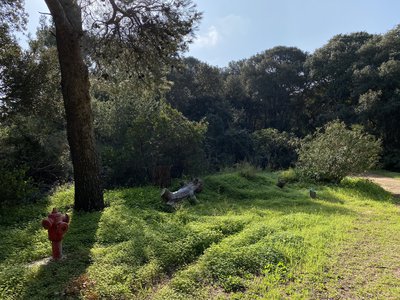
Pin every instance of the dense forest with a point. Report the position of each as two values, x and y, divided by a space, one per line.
188 115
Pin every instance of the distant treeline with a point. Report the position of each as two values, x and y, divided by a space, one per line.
354 78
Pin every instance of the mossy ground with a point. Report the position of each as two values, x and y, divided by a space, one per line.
245 239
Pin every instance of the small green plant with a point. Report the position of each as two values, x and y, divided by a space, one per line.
247 170
276 272
232 284
289 175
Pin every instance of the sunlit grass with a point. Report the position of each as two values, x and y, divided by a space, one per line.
246 238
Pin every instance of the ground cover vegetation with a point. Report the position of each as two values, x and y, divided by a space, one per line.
246 238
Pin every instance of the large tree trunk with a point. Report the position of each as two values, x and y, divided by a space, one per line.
75 89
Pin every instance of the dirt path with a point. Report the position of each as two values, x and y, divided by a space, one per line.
391 185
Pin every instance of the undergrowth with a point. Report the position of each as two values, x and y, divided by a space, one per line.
246 238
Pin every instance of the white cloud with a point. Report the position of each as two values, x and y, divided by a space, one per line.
210 39
226 28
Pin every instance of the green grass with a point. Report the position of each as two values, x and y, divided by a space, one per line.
246 238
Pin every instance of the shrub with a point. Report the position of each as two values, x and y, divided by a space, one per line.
335 151
289 175
39 147
15 186
134 140
247 170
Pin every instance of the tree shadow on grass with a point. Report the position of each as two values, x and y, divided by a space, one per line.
283 201
54 280
367 189
223 197
330 197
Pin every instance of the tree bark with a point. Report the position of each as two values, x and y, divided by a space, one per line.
75 89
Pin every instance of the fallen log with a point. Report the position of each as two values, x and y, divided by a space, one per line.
186 191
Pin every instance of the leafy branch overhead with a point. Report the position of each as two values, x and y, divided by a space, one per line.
145 34
12 14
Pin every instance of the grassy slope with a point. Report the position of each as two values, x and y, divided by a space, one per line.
245 239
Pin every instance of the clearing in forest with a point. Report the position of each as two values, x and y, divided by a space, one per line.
245 239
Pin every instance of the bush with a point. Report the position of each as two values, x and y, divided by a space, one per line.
134 138
289 175
15 186
336 151
38 146
247 170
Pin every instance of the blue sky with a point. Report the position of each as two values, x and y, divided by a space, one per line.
237 29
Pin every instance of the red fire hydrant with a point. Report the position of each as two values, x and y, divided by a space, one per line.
57 226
